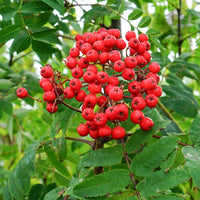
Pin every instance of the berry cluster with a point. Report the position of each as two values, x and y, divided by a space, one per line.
103 79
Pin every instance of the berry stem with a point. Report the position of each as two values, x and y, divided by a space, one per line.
128 165
64 103
38 100
169 115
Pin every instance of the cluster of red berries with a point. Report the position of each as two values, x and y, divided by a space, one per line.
102 77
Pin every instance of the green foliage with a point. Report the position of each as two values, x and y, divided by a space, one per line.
42 157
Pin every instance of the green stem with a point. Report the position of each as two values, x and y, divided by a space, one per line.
169 115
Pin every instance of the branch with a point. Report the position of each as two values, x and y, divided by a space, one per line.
66 37
179 28
77 110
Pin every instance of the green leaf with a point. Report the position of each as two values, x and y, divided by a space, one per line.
192 157
99 185
169 197
54 5
160 181
7 107
140 137
153 156
144 22
61 148
47 189
135 14
152 32
8 12
55 193
54 161
5 84
10 127
9 32
35 192
35 7
103 157
2 73
194 130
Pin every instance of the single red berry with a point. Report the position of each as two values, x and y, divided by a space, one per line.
114 55
74 52
75 84
92 55
141 48
137 116
141 61
128 74
105 131
100 119
120 44
80 95
151 100
110 113
98 45
114 32
130 62
147 56
154 67
94 87
47 86
138 103
71 62
134 87
79 44
121 112
89 37
133 52
88 114
89 76
110 41
85 48
153 75
102 77
83 62
108 88
52 107
94 134
46 71
91 125
147 45
129 35
103 57
133 43
49 96
77 72
143 37
119 66
82 130
147 124
78 37
116 93
22 92
90 100
68 93
118 133
102 101
42 80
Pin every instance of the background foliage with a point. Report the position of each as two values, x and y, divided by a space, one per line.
41 157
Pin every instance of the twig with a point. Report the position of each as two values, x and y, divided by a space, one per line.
131 174
77 110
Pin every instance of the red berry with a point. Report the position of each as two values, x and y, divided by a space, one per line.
52 107
42 80
154 67
82 130
103 57
151 100
85 48
68 93
79 44
102 101
102 77
134 87
94 87
74 52
92 68
22 92
47 86
121 112
133 43
98 45
147 124
118 133
71 63
90 100
91 125
141 61
75 84
129 35
77 72
137 116
49 96
119 65
110 41
88 114
94 134
100 119
138 103
128 74
78 37
149 83
116 93
46 71
147 45
89 37
80 95
147 56
92 55
143 37
157 91
114 55
105 131
89 76
155 76
110 113
83 62
130 62
114 32
141 48
120 44
113 80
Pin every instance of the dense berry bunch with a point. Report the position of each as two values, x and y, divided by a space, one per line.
103 78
